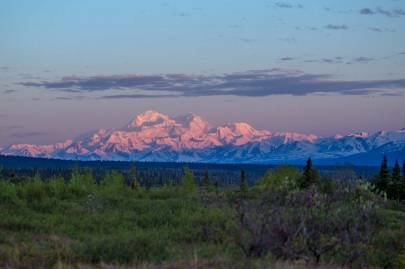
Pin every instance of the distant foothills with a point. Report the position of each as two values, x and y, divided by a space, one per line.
156 137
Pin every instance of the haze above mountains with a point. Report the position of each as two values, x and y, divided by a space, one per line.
153 136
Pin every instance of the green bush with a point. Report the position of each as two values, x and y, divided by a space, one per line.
58 188
113 185
34 191
125 248
8 193
188 186
283 176
82 183
43 224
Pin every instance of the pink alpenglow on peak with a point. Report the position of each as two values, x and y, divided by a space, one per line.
194 122
148 118
154 136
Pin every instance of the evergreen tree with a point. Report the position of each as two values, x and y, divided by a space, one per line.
396 171
383 178
402 184
242 182
403 170
187 183
216 186
309 176
135 185
148 184
206 180
132 172
394 185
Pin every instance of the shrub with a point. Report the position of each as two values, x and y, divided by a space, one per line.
284 176
34 191
124 248
58 188
82 183
188 186
8 193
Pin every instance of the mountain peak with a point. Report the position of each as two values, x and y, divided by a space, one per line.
149 117
193 121
152 135
243 128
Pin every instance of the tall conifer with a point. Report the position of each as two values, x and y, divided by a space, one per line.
383 179
243 184
309 175
394 185
206 180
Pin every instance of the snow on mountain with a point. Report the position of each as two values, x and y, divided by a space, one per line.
153 136
150 118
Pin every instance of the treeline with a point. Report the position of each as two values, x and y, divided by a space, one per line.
158 174
291 215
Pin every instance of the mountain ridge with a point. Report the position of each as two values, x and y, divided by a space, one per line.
154 136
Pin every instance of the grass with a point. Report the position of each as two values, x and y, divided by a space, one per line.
81 224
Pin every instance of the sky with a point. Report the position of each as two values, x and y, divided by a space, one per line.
321 67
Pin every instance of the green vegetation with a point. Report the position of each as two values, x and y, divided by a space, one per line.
288 219
392 185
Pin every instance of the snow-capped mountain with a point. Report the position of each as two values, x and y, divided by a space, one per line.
153 136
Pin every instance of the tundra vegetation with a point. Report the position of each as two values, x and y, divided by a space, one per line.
288 219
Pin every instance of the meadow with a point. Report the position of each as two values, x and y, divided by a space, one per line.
290 218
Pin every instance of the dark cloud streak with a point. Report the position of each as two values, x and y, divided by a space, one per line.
394 13
337 27
287 5
250 83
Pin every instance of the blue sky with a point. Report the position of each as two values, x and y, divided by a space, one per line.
354 49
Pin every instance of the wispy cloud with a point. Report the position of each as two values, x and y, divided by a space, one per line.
363 59
334 60
9 91
380 30
399 12
341 60
137 96
287 58
254 83
337 27
247 40
288 5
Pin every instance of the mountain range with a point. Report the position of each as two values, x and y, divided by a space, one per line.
154 136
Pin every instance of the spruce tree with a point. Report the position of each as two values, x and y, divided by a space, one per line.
402 184
206 180
394 186
383 179
396 171
242 183
135 185
309 175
